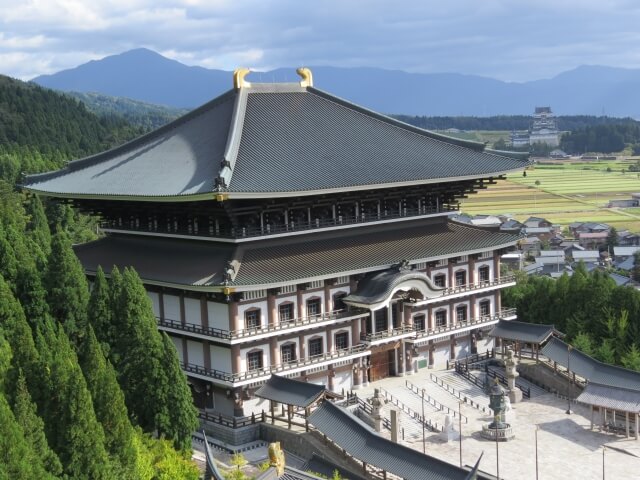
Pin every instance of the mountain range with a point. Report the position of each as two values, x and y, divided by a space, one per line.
147 76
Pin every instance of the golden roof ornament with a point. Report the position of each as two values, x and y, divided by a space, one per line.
238 78
306 75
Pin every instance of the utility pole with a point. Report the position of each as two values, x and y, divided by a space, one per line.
537 428
569 348
460 430
424 438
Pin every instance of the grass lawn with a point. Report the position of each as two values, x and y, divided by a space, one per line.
566 192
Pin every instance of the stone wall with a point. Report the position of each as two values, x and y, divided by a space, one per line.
232 436
544 375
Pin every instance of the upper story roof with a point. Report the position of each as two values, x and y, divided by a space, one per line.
273 140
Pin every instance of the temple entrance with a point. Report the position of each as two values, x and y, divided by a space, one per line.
380 365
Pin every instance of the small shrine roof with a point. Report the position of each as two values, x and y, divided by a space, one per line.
289 391
522 331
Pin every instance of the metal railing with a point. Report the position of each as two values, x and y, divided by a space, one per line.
476 286
229 421
371 337
459 395
265 329
471 322
431 426
526 392
433 402
257 374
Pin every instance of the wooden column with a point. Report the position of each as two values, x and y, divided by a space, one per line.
329 340
235 322
204 312
327 299
408 318
300 304
183 316
472 270
161 305
452 352
206 352
451 281
272 310
496 266
355 331
274 351
401 361
235 359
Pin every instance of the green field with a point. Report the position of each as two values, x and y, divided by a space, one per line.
567 192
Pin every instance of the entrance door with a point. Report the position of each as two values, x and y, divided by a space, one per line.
380 365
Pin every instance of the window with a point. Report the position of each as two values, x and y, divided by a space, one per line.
418 323
342 340
254 360
461 313
485 308
483 273
441 318
285 311
315 347
314 307
288 352
380 317
461 278
252 319
338 304
439 280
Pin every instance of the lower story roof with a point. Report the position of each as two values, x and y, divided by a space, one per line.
289 391
279 261
522 331
620 399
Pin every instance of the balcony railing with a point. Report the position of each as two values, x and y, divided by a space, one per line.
280 368
506 312
264 329
386 334
477 286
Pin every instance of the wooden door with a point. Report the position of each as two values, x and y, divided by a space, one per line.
379 366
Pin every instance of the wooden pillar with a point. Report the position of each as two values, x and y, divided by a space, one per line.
183 316
235 322
328 307
474 307
401 361
430 320
451 280
303 349
306 418
407 317
472 270
235 358
626 423
452 351
289 415
300 304
274 352
272 311
329 341
355 331
496 266
161 305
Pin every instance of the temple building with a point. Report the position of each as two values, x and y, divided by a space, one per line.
280 229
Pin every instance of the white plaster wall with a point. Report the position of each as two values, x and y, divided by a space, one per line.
463 349
177 342
155 302
342 380
486 343
195 352
266 358
262 305
192 311
255 405
441 354
171 307
291 340
220 358
218 315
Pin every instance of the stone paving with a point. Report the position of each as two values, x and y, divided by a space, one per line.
567 448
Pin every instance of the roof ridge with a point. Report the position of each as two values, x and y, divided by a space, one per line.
233 140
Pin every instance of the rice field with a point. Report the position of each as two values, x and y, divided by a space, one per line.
564 193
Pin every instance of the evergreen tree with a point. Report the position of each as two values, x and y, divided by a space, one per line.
605 352
38 227
183 419
612 239
71 425
100 307
138 351
26 415
67 289
583 342
631 359
32 294
108 402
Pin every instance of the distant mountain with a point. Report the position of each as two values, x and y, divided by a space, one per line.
135 112
144 75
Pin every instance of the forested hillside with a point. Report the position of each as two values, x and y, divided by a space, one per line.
41 129
89 388
600 318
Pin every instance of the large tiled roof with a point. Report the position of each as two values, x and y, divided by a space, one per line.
356 439
289 259
522 331
590 368
620 399
377 286
271 140
181 159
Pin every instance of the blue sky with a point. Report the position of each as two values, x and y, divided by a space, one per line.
513 40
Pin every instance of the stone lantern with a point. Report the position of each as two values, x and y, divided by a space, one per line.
498 430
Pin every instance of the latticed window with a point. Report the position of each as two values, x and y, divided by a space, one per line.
315 347
254 360
252 319
441 318
440 280
285 312
485 308
461 278
419 323
461 313
342 340
288 352
314 307
483 273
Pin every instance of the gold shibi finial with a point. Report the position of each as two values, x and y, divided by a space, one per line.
306 75
238 78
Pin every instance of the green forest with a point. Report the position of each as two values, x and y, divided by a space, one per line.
599 318
89 388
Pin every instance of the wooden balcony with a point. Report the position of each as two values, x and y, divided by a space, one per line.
482 321
468 289
383 336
